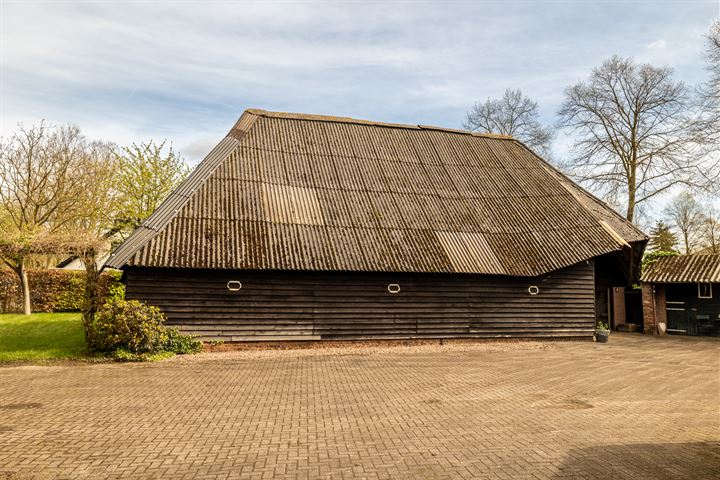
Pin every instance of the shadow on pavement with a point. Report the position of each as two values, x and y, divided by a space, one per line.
698 461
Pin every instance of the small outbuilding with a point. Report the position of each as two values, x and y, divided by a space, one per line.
307 227
681 295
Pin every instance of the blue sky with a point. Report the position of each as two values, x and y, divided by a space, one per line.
185 71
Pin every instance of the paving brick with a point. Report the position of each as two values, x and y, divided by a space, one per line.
637 407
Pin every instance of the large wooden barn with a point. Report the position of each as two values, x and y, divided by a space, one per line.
312 227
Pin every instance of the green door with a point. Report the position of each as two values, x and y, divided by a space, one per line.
677 318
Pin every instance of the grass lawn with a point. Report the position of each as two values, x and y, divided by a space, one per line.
41 336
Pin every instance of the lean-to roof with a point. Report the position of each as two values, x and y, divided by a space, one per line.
684 269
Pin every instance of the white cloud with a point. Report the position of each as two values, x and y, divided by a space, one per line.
184 71
656 45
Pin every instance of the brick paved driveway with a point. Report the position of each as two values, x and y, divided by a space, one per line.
636 408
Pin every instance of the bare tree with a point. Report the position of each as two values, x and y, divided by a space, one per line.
43 184
632 134
710 232
514 114
147 174
708 126
687 217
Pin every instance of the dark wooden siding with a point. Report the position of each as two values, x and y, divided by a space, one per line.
690 315
328 305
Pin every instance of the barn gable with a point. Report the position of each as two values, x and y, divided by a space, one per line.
302 192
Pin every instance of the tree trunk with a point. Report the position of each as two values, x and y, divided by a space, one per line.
89 306
25 287
630 215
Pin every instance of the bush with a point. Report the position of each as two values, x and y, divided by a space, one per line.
9 292
115 291
127 324
122 355
651 257
133 331
182 344
66 298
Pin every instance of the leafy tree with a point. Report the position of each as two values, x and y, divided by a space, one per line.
147 173
687 217
632 132
89 236
43 183
514 114
662 239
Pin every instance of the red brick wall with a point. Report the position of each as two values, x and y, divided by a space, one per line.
653 302
660 307
648 304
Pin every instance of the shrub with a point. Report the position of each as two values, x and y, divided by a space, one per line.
129 325
69 295
182 344
122 355
116 291
9 291
651 257
133 331
602 327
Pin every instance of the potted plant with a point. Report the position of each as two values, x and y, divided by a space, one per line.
602 332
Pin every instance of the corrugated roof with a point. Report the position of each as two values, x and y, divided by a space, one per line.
684 269
290 191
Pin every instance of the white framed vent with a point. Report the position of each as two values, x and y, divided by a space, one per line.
234 285
533 290
393 288
704 290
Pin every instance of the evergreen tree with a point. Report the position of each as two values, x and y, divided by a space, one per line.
662 239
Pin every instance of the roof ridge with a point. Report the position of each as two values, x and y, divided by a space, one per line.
335 119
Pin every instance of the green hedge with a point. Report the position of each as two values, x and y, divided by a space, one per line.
51 290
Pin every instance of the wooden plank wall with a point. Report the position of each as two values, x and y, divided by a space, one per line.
329 305
701 316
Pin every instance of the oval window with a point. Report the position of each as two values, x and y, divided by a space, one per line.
533 290
394 288
234 285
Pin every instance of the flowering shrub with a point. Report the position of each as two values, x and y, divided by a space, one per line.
129 329
127 324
